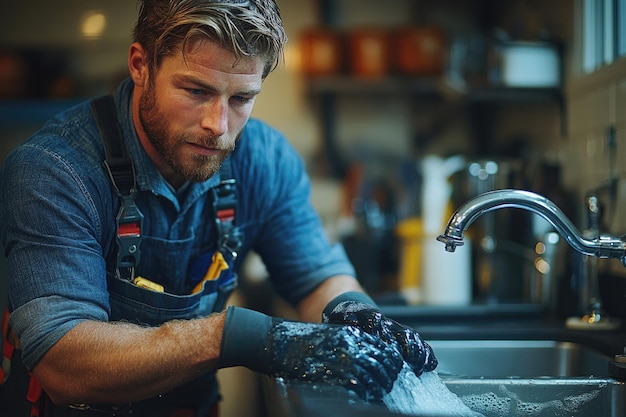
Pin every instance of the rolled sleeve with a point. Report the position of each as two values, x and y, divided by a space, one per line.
43 321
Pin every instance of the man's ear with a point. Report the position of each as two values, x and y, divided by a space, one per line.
138 65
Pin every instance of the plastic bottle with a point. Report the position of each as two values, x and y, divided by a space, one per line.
446 276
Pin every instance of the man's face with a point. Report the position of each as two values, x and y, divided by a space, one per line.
193 109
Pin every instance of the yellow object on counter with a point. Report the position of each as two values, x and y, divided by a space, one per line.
411 232
218 264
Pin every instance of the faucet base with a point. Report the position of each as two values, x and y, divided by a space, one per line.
585 323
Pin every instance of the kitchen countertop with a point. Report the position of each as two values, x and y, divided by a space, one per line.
501 322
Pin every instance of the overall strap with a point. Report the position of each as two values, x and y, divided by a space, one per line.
225 205
121 170
229 237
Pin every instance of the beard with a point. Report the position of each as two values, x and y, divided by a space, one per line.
169 145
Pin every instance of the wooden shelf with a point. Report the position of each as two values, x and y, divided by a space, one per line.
426 87
348 85
515 94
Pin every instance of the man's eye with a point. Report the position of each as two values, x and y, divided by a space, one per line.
195 91
241 100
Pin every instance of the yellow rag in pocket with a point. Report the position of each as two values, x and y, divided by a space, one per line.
218 264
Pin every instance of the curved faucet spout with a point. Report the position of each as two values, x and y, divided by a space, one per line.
603 246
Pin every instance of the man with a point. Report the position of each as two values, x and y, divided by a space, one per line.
104 330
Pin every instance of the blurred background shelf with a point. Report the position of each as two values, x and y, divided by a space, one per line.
431 87
32 112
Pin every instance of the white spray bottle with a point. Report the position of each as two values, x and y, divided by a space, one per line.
446 276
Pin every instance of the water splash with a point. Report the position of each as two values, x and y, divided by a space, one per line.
426 395
429 395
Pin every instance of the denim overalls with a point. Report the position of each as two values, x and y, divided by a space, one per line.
130 302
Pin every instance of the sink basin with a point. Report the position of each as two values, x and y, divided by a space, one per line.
530 378
520 358
497 378
541 397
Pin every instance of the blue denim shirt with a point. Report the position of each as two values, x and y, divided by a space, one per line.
58 211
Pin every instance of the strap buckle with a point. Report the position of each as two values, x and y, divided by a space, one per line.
129 222
224 205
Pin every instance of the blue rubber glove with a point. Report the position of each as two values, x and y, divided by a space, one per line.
314 352
357 309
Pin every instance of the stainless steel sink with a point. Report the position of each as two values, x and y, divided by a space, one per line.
530 378
497 378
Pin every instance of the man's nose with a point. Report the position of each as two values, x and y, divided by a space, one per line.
215 117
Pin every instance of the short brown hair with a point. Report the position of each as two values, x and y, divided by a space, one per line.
245 27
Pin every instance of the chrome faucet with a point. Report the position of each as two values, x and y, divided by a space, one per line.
601 246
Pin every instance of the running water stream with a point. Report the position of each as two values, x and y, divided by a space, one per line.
425 396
